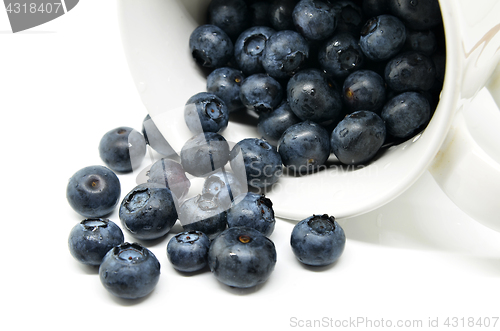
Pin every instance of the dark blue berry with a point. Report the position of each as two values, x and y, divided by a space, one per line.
259 13
232 16
204 153
148 211
312 96
417 14
304 147
225 186
340 55
405 114
254 211
92 238
170 174
318 240
225 83
382 37
206 112
272 124
203 213
350 17
129 271
188 251
93 191
410 71
242 257
261 161
249 47
315 19
261 93
122 149
424 42
280 14
364 90
210 46
358 137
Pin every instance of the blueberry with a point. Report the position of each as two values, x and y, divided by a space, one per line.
188 251
206 112
122 149
225 186
249 47
340 55
242 257
155 139
358 137
304 147
261 161
410 71
382 37
285 53
148 211
417 14
210 46
232 16
364 90
170 174
315 19
350 17
318 240
280 14
261 93
225 83
405 114
254 211
259 13
204 153
203 213
272 124
372 8
93 191
129 271
424 42
92 238
312 96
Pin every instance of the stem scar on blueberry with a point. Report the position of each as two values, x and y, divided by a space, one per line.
121 131
244 239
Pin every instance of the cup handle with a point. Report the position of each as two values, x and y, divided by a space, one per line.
467 167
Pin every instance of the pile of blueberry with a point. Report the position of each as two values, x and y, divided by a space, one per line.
225 227
323 76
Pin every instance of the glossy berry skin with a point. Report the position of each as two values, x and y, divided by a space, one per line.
249 47
340 55
225 83
261 161
405 114
206 112
204 153
364 90
280 14
155 139
129 271
122 149
203 213
188 251
242 257
232 16
261 93
93 191
92 238
382 37
170 174
418 15
318 240
312 96
285 54
304 147
272 125
210 46
358 137
315 19
254 211
148 211
225 186
410 71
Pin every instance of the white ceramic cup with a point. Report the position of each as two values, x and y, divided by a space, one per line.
465 161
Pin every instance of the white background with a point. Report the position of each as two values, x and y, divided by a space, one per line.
64 84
